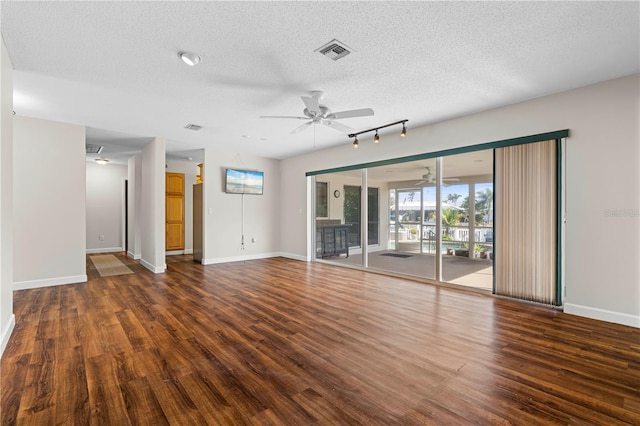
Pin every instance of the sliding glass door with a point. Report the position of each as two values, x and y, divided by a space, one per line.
432 217
467 219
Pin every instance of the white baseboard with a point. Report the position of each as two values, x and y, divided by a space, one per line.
239 258
105 250
134 256
25 285
254 257
602 315
6 334
178 252
294 257
153 268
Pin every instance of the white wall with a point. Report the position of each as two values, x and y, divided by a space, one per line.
49 203
7 318
152 199
602 190
190 170
105 196
223 212
134 177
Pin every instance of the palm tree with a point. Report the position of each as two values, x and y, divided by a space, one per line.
484 201
450 217
453 198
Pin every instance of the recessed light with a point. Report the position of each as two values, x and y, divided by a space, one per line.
189 58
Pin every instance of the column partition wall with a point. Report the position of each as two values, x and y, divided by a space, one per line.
435 216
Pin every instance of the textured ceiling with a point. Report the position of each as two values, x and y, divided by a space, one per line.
113 66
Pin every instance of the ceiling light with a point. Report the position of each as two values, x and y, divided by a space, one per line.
376 138
102 161
189 58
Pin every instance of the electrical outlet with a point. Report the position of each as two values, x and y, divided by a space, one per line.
101 237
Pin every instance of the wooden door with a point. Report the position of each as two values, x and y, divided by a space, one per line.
174 211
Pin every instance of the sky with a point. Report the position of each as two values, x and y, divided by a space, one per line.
462 189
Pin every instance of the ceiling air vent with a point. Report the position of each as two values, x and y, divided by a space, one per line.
334 50
193 127
94 149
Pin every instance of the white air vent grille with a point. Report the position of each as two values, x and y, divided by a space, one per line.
334 50
94 149
193 127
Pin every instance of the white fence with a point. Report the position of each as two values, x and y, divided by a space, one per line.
455 233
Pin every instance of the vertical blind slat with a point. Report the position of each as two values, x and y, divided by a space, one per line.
526 230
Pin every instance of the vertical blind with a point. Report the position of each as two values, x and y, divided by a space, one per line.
526 221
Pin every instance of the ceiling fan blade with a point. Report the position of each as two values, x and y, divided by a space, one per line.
312 104
351 113
284 116
337 126
301 127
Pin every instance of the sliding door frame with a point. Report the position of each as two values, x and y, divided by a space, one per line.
558 136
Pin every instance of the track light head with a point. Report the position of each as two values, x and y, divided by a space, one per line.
376 138
355 142
189 58
403 133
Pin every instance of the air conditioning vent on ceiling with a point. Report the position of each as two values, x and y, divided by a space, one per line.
193 127
94 149
334 50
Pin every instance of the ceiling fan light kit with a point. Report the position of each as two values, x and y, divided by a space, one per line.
376 138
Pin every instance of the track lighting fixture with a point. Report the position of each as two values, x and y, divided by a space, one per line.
376 138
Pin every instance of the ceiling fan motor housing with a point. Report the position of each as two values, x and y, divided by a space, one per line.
324 112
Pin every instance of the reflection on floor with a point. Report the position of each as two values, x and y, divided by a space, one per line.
477 273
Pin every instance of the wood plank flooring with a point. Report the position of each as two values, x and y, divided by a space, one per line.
278 341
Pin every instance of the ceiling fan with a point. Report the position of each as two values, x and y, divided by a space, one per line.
431 178
316 113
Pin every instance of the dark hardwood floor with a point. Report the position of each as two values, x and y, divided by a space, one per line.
279 341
